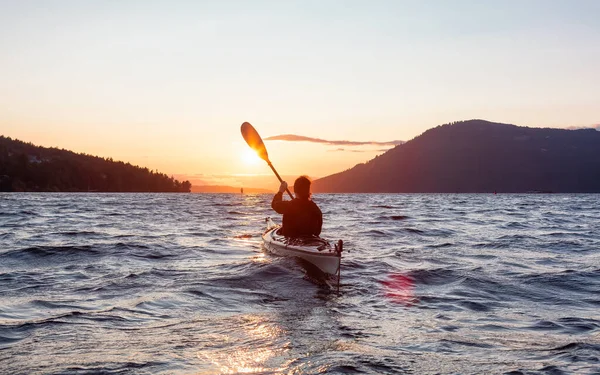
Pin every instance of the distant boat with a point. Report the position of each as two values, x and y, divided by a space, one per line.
242 190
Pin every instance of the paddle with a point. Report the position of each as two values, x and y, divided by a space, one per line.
256 143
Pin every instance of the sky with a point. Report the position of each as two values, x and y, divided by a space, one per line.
167 84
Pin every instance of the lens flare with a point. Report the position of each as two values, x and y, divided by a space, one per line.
400 289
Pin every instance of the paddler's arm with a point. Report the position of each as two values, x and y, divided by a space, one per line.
278 204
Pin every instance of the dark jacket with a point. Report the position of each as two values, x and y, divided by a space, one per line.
301 217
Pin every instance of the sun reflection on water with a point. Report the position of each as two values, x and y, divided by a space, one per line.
254 345
260 258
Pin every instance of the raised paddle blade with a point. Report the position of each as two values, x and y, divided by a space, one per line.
254 141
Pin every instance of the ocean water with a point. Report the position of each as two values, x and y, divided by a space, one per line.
179 284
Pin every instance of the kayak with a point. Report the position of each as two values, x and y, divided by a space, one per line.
313 249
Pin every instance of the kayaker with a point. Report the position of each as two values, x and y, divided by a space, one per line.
301 216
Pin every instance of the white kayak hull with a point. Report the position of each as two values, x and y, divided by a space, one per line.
316 250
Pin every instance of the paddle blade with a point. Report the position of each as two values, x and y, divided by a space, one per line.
254 140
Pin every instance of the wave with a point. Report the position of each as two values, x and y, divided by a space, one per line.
50 251
432 283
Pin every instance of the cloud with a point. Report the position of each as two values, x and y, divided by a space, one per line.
301 138
345 150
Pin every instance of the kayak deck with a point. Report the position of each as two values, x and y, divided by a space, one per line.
313 249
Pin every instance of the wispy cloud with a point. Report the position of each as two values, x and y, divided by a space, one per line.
345 150
301 138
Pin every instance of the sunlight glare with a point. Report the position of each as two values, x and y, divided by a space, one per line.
250 157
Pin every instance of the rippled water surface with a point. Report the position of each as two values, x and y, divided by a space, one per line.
179 284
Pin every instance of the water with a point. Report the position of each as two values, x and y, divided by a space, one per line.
178 284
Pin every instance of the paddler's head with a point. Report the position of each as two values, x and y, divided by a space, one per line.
302 187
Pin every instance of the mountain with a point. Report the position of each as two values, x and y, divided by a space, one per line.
26 167
478 156
227 189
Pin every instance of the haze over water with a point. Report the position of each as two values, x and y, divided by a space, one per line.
178 284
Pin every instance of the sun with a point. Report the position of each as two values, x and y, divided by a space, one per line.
249 157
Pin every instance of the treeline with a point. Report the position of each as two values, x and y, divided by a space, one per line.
26 167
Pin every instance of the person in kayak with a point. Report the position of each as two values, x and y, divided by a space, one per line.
301 216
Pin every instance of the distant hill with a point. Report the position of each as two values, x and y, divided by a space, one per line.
478 156
26 167
226 189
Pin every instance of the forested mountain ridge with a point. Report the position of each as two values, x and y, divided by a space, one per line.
26 167
478 156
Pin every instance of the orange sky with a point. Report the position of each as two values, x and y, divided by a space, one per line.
167 87
203 157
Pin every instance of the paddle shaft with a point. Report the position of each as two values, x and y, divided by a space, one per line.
278 177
